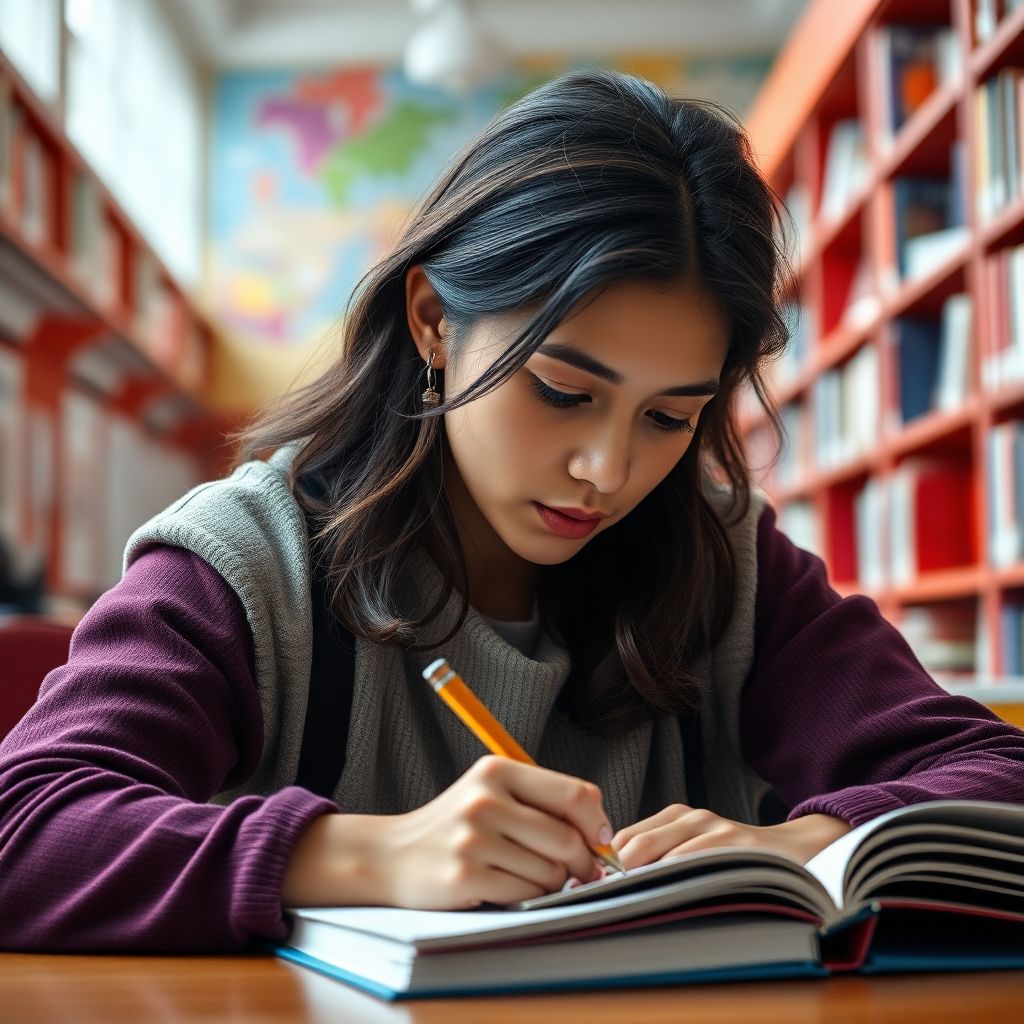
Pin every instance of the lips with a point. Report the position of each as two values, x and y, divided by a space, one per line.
576 513
563 525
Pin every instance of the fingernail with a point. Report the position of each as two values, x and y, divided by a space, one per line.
605 834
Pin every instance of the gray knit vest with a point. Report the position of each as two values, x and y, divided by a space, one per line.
404 746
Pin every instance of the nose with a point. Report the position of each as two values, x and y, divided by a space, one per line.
603 458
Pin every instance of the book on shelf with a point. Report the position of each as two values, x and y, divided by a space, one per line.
846 168
1011 637
862 301
34 216
988 14
943 635
845 409
929 221
998 164
1002 281
930 504
12 443
929 887
793 460
915 60
796 230
801 323
932 360
1004 450
871 516
798 520
8 132
954 376
917 344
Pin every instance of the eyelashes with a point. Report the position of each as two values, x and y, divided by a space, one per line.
564 400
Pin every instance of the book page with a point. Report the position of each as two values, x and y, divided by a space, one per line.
830 866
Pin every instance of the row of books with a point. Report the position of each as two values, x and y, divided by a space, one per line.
916 520
99 472
998 162
845 409
988 14
1002 284
846 168
942 635
933 359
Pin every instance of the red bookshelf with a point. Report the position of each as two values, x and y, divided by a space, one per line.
851 496
97 336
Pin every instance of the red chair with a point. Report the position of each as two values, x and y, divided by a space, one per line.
29 648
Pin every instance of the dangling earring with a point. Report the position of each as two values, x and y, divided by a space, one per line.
431 396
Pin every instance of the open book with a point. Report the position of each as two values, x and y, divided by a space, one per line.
934 886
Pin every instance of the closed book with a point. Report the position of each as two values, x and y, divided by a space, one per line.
930 887
918 351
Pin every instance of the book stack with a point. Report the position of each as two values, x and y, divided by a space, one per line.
1004 451
931 887
845 408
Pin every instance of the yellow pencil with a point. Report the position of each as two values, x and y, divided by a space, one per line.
460 698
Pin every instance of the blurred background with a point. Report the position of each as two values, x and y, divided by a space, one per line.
190 190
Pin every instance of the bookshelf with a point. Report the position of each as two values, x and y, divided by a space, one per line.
104 367
894 129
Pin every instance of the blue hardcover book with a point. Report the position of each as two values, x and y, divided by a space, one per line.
918 347
933 886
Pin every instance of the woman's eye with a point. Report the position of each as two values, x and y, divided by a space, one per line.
566 400
671 423
561 399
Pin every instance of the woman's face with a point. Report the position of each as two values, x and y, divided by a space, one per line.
589 423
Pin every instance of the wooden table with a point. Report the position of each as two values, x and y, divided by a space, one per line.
262 990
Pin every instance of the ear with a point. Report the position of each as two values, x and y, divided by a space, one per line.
426 320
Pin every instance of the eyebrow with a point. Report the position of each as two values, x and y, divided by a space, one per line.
574 357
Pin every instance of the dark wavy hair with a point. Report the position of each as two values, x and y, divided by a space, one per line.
596 177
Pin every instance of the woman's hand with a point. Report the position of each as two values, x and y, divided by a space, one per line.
503 832
682 829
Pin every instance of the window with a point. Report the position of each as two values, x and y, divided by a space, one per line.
133 108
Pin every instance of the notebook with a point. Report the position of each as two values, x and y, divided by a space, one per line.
933 886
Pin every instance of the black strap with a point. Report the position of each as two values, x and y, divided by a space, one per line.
693 759
331 689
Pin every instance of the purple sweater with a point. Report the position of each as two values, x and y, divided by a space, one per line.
107 843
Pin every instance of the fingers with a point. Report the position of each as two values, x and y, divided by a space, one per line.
663 817
560 796
553 839
676 829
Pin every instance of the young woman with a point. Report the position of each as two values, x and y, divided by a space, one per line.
524 460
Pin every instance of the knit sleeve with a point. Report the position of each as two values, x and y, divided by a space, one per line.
106 839
841 718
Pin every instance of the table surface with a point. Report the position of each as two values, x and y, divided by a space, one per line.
263 990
